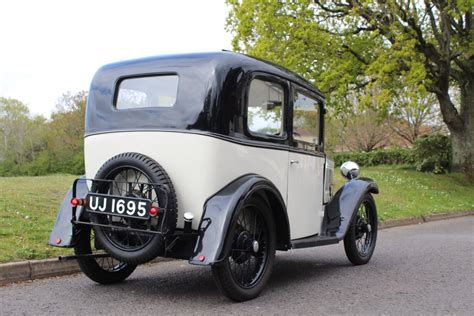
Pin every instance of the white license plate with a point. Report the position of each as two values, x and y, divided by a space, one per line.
118 205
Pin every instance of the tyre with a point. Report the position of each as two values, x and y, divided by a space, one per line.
359 242
132 175
249 252
103 270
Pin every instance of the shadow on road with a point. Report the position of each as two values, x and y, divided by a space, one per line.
178 281
292 271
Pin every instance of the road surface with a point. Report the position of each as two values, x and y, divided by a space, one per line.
421 269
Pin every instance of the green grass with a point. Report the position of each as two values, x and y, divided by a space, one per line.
29 205
28 210
406 193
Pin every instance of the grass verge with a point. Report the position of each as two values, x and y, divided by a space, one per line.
28 210
405 192
29 205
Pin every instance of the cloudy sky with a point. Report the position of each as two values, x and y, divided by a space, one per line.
49 47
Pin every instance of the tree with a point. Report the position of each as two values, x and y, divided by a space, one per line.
32 145
21 136
364 131
413 115
15 131
371 46
65 144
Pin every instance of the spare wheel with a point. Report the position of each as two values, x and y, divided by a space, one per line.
136 176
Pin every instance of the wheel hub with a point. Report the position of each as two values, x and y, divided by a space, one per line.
255 246
241 247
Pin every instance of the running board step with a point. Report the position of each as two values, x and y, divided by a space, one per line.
314 241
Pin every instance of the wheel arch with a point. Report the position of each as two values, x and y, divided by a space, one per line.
219 210
280 215
342 208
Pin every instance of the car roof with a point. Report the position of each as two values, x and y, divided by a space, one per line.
224 60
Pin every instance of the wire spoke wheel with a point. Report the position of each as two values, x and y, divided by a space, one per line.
135 240
364 224
106 263
359 242
249 252
103 268
129 182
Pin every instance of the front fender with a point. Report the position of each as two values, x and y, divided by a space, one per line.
343 206
63 234
218 212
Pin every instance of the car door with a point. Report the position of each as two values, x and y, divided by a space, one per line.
306 164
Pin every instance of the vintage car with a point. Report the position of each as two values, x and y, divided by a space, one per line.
216 158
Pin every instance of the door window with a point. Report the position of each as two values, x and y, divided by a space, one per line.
305 120
265 108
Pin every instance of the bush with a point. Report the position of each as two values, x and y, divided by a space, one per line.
432 153
394 156
39 166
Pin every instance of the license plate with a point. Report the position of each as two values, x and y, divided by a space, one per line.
118 205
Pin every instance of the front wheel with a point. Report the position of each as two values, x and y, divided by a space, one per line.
249 252
359 243
103 270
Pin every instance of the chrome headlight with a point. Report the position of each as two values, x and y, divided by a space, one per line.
350 170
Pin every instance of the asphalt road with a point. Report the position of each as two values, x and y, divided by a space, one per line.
422 269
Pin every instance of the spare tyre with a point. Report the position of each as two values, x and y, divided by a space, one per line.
129 239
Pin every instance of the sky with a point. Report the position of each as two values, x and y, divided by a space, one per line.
50 47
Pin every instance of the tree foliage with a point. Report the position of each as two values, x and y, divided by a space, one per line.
414 115
371 51
32 145
367 133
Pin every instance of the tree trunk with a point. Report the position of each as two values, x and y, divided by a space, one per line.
463 138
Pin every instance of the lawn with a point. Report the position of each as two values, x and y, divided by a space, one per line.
28 205
28 209
405 192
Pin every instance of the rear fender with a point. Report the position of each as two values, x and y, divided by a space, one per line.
219 211
343 206
64 233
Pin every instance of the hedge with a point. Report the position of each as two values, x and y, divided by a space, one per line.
394 156
432 153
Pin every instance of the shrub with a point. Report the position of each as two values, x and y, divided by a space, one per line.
394 156
432 153
39 166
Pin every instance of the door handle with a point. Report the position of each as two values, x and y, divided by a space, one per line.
294 162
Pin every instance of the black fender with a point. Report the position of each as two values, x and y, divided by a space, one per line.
64 234
343 206
219 211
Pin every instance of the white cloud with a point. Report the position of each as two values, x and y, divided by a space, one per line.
49 47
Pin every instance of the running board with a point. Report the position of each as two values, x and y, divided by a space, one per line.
314 241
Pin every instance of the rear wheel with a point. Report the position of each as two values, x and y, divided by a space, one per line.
249 254
104 270
359 243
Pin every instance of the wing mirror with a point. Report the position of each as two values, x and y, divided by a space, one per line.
350 170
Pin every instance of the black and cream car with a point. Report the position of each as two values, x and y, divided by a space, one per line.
215 158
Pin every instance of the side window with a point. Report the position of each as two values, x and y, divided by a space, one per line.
265 108
305 120
145 92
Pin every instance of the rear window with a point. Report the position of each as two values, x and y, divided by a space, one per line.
146 92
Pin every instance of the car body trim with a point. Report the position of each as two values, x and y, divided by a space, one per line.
232 139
